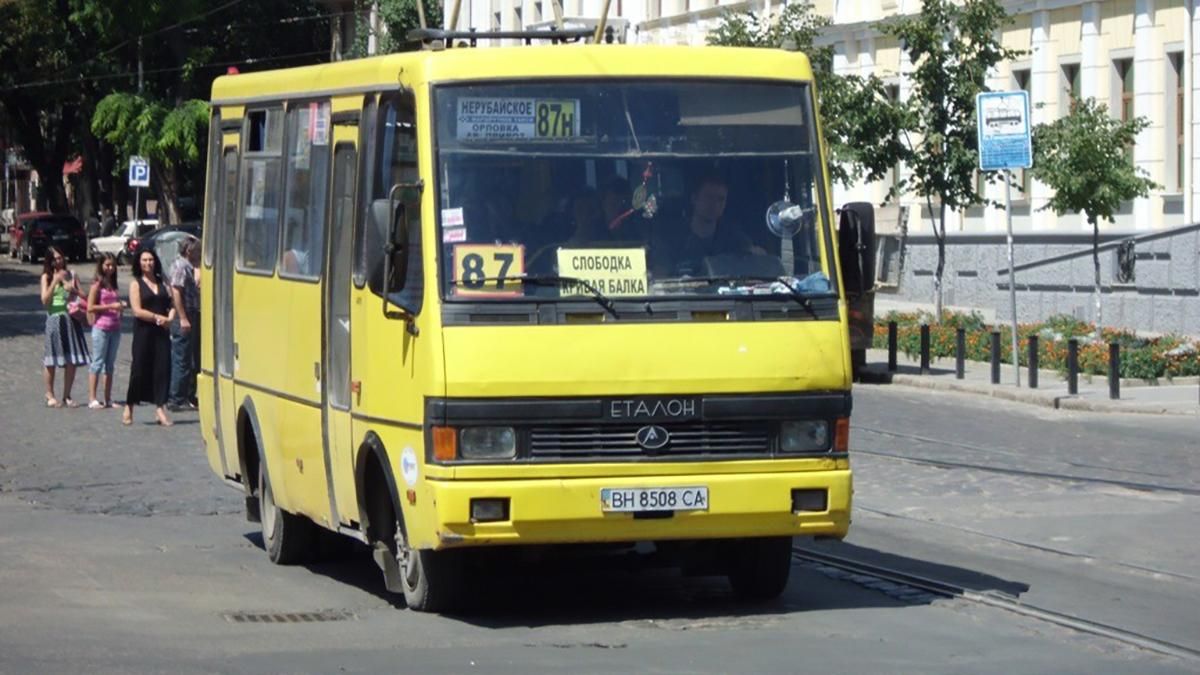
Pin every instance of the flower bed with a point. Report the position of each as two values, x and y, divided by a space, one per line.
1141 358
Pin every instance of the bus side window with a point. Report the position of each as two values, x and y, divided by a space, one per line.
393 160
307 182
259 236
211 192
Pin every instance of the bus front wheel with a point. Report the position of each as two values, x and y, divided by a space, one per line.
432 581
288 538
759 568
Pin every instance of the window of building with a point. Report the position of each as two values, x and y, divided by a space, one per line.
258 242
1124 72
1176 59
1071 88
1021 82
1124 68
306 184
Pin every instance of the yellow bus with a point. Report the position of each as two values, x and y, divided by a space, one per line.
460 299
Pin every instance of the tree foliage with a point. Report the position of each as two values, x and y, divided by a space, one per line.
861 125
397 18
952 46
1082 157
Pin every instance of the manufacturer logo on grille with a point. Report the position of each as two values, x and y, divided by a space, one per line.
652 437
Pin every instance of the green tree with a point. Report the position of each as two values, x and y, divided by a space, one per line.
951 46
1082 157
172 138
396 18
862 126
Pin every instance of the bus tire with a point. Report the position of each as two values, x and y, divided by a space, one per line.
288 538
759 568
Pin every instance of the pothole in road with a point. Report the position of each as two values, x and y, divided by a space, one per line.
323 616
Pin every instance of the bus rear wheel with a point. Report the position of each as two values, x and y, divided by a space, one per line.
288 538
759 568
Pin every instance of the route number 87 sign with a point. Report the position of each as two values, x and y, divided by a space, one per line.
488 270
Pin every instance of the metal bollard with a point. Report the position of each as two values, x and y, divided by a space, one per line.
995 357
891 346
1072 366
1033 361
1114 370
960 353
924 349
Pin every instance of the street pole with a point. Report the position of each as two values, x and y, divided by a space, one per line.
137 202
1012 281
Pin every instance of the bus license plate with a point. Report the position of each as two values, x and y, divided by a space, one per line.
654 499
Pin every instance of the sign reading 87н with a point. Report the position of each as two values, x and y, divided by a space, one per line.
1003 126
139 172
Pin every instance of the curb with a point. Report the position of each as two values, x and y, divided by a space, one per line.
1046 401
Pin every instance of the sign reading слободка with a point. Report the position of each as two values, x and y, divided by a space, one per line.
1004 133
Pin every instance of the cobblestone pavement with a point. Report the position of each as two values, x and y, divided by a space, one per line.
41 448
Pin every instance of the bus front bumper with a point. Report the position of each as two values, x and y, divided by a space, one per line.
558 510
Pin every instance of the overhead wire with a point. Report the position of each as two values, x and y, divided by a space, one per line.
133 73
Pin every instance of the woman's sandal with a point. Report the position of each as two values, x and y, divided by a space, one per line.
70 402
52 402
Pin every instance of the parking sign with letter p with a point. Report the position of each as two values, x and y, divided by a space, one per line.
139 172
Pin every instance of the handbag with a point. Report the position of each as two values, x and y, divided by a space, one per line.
77 310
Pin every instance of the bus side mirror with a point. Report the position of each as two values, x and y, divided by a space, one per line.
856 247
390 219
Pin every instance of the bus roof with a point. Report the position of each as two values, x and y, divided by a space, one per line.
500 63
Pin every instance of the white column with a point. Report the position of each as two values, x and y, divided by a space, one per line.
1148 103
1043 85
914 202
591 8
841 65
1093 67
1193 92
871 192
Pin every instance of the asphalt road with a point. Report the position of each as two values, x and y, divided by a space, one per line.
121 552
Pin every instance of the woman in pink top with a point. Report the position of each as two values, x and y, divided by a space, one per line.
104 308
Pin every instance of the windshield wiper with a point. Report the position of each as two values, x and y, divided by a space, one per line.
804 300
553 280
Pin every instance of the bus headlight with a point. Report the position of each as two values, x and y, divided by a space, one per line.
488 443
805 436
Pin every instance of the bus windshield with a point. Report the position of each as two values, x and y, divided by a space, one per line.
631 189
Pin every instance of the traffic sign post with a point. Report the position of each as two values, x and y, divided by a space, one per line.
139 177
1005 143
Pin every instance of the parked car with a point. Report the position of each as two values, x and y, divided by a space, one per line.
116 242
164 241
7 220
40 230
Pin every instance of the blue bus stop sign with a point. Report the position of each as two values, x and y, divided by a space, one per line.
139 172
1004 130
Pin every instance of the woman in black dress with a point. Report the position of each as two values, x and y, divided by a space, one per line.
150 374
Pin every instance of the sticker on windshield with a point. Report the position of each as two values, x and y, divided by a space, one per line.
453 217
493 119
488 270
612 271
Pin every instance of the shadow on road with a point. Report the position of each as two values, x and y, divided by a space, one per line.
928 569
509 590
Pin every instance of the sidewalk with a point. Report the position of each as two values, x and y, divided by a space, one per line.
1181 397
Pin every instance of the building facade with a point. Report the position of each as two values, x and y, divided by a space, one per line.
1136 56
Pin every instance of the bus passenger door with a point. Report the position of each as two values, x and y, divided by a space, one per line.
226 234
339 450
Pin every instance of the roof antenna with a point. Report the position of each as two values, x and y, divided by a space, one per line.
421 13
454 20
558 17
600 25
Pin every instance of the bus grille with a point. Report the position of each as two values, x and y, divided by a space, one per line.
572 442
